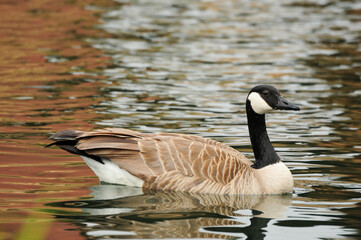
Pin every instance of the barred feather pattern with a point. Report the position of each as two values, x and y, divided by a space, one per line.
175 162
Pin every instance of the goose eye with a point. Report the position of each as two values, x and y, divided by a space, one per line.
265 92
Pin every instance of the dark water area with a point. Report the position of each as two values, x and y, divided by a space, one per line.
186 67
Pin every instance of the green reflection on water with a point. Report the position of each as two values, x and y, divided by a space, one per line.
180 67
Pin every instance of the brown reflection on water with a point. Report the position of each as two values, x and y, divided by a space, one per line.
49 82
339 65
44 64
157 214
48 75
341 70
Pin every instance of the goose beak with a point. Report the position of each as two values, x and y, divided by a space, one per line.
284 104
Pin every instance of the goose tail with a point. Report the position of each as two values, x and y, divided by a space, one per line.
67 140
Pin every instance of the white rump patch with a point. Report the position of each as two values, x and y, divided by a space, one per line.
258 104
111 173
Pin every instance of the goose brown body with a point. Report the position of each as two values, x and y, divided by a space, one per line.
169 161
187 163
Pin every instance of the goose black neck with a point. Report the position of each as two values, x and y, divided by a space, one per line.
262 148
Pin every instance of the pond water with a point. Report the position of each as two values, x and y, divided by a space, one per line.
186 67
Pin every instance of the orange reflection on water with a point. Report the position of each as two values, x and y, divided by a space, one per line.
48 76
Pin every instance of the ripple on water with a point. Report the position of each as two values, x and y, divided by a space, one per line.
187 67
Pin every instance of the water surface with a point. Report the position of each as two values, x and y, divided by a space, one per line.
180 66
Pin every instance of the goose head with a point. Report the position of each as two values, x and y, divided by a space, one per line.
265 98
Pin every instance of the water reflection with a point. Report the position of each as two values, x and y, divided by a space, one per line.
181 67
125 210
178 66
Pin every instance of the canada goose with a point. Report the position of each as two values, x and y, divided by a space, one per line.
187 163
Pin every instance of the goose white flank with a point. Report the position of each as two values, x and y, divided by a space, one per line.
187 163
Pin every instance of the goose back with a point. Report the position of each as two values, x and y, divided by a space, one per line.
165 161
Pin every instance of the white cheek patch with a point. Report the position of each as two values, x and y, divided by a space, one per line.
258 104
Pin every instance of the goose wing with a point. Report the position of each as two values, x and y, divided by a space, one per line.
164 161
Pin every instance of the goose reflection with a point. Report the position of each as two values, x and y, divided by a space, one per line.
126 211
